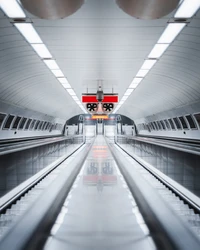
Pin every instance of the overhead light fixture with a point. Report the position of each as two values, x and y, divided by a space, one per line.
57 73
51 64
62 80
135 83
12 9
142 73
71 92
66 85
41 50
171 32
75 98
158 50
148 64
187 9
84 111
124 98
28 31
137 80
128 91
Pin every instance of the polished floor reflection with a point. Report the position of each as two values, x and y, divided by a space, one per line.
182 167
100 212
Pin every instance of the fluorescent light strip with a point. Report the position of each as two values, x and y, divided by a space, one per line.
63 80
12 9
158 50
66 85
137 80
128 92
57 73
75 98
71 92
168 36
41 50
171 32
148 64
187 9
142 73
51 64
124 98
135 83
29 32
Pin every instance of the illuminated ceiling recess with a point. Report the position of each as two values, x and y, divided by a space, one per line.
186 10
32 37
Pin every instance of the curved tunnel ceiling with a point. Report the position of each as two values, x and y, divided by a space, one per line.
99 42
174 81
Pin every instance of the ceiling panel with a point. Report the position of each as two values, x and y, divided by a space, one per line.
25 81
100 43
174 81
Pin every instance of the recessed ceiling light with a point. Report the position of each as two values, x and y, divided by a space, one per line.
62 80
137 80
75 98
135 83
57 73
51 64
170 33
29 32
142 73
128 92
66 85
12 9
187 9
41 50
71 92
124 98
158 50
148 64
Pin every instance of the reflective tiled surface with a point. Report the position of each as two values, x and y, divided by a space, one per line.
180 166
18 167
99 212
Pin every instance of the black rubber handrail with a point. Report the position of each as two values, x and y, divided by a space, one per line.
31 230
168 230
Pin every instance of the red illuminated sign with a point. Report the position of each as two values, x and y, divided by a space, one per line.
92 98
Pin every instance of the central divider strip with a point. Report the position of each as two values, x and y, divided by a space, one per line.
168 231
30 231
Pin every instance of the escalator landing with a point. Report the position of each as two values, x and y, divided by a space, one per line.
99 212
